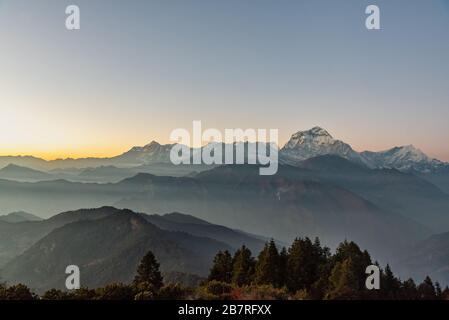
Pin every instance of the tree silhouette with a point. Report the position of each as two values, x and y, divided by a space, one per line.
242 267
304 263
343 282
389 284
426 290
222 267
148 273
268 266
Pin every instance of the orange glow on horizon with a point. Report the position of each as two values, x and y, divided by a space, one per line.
105 152
65 154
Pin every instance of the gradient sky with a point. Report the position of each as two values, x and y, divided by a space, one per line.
139 69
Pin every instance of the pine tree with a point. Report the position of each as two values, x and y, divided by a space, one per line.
390 285
305 261
242 267
283 260
268 266
426 290
409 290
360 260
445 293
438 291
148 273
19 292
343 281
222 267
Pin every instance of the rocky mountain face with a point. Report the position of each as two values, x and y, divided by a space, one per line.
150 153
405 158
317 142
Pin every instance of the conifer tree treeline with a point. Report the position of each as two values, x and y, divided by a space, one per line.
307 270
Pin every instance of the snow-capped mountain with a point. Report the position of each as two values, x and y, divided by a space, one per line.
302 145
153 152
405 158
158 153
316 142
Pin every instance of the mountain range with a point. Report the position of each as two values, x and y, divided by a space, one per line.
387 202
326 196
317 141
301 146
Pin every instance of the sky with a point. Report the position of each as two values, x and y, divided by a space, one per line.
139 69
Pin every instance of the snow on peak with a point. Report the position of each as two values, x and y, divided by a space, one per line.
411 153
316 135
404 158
316 142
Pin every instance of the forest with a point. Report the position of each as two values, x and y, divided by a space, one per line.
304 271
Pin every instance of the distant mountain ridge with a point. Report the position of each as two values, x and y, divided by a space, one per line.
317 142
19 216
15 172
301 146
388 189
429 257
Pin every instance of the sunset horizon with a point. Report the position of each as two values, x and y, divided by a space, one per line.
226 158
104 151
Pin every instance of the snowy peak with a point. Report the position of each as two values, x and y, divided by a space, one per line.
304 145
409 153
316 142
316 135
404 158
152 152
153 145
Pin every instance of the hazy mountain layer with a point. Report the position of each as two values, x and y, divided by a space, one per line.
14 172
108 250
15 238
429 257
19 216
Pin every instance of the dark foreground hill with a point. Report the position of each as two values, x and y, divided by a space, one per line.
107 250
106 243
16 238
